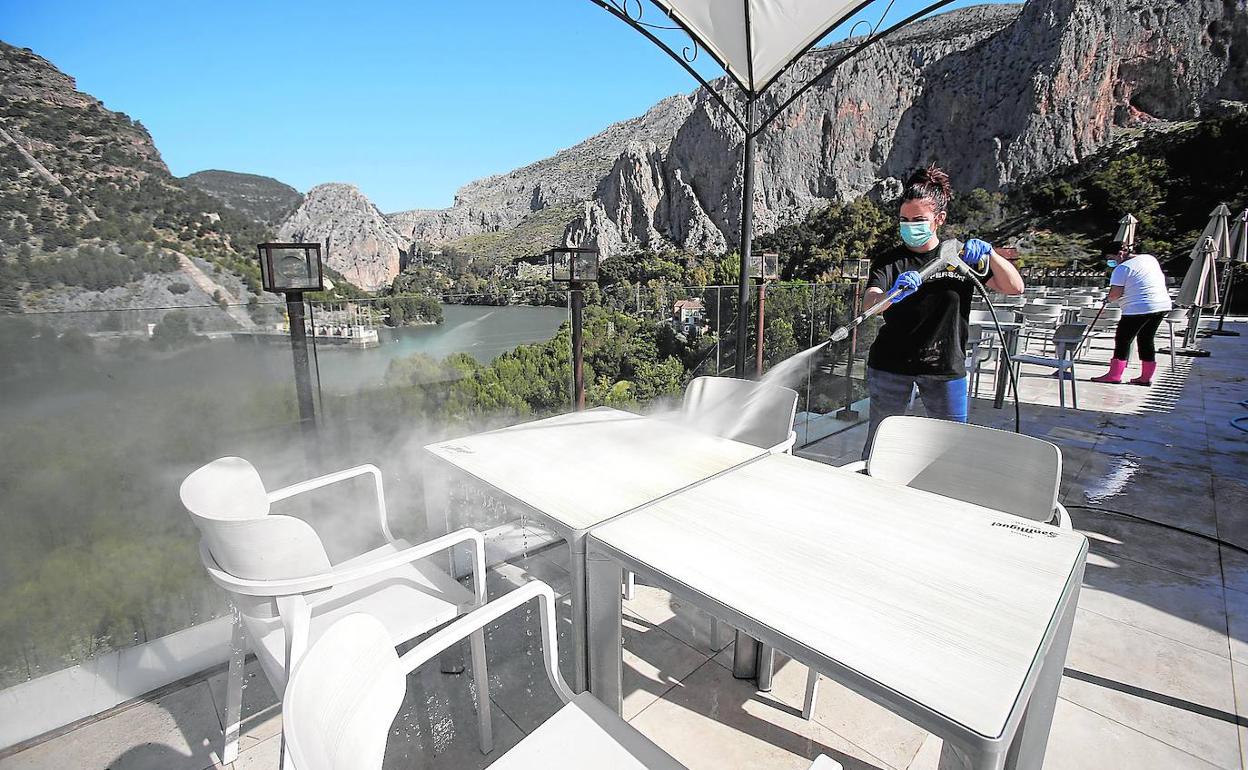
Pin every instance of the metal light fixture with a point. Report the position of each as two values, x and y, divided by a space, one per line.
855 268
765 266
574 266
569 264
291 267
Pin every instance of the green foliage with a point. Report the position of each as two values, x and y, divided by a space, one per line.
173 331
814 248
410 309
177 287
1132 184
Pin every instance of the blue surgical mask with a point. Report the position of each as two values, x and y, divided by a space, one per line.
1112 262
915 234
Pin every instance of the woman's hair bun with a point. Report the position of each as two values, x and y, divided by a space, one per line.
930 183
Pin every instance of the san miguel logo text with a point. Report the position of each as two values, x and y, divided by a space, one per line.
1022 528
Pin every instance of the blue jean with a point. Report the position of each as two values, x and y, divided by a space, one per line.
890 395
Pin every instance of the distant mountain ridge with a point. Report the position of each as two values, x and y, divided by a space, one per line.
361 243
998 94
262 198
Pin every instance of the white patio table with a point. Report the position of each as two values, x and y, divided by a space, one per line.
953 616
577 470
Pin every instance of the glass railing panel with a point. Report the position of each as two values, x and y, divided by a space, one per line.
104 413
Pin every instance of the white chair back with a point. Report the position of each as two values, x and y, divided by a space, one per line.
755 413
981 318
343 696
1109 317
228 503
1041 313
1048 301
1079 300
969 463
347 688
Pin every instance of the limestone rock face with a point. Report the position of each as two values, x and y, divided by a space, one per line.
996 94
568 177
364 246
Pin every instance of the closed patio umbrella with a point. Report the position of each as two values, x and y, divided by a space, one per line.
1199 290
1238 255
756 43
1126 231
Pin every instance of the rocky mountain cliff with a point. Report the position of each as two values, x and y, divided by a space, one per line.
91 218
261 198
363 246
568 177
996 94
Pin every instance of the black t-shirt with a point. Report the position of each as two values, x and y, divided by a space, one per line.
924 334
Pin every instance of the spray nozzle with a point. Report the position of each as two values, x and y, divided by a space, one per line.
840 335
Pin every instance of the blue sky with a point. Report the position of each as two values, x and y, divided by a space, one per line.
408 100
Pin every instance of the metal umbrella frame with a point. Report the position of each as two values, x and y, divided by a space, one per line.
678 15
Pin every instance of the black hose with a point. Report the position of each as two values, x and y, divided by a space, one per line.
1235 421
1163 525
1009 365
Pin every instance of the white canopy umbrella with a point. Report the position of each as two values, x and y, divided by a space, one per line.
755 42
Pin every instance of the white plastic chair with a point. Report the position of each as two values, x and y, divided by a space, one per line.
1174 318
756 413
346 691
1066 343
981 348
968 463
286 593
1040 320
1102 326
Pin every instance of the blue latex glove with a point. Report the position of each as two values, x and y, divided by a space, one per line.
907 283
975 252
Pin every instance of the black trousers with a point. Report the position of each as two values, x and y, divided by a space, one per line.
1143 326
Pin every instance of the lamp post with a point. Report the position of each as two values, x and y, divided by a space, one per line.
291 269
763 268
574 266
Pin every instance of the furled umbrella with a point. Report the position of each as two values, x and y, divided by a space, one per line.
1200 285
1238 255
1126 231
756 43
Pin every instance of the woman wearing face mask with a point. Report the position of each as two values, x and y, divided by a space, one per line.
1137 280
923 340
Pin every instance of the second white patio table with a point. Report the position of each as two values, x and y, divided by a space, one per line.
577 470
953 616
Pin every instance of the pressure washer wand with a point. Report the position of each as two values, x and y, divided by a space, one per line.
947 258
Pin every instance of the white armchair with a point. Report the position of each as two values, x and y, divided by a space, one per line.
286 592
345 692
934 455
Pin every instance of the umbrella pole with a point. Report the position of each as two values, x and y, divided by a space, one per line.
747 238
1226 303
1190 348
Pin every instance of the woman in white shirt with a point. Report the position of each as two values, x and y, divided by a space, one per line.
1140 284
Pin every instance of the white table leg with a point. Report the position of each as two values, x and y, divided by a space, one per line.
745 655
580 662
606 660
1032 738
437 498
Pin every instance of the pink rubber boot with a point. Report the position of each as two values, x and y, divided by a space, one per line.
1116 367
1147 369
